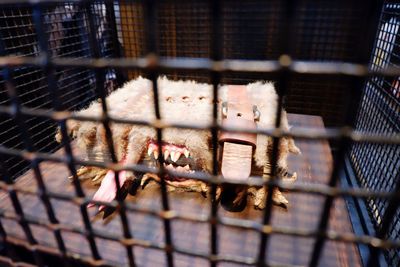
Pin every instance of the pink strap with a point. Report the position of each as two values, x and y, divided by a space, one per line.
238 147
240 115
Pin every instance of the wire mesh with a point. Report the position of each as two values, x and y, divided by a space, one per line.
60 56
378 166
68 37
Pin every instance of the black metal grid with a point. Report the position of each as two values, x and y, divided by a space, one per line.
323 31
378 166
284 67
68 37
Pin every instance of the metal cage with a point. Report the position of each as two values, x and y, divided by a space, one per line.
334 59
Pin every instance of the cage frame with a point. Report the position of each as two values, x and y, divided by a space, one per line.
215 65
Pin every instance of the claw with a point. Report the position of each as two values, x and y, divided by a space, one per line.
218 194
278 198
259 203
295 150
290 179
171 188
99 177
204 190
80 172
148 178
93 173
259 196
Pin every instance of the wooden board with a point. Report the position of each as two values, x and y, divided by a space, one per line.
312 167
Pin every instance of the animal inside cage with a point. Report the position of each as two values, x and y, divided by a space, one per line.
117 110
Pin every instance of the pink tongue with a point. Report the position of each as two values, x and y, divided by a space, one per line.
108 188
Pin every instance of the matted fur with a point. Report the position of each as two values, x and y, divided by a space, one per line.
180 101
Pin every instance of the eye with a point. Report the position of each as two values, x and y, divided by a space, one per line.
185 98
169 99
202 97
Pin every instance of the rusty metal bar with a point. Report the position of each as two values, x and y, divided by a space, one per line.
52 87
216 54
150 19
100 75
18 116
216 65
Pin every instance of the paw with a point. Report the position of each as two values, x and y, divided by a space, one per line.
259 197
95 174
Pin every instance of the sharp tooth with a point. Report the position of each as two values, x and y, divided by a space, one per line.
150 150
156 154
170 167
176 156
166 154
173 156
186 153
179 169
187 167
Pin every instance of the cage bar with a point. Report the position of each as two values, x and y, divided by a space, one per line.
294 36
151 42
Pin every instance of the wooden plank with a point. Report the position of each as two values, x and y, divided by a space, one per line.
312 167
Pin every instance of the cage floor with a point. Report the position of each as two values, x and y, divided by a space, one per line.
312 166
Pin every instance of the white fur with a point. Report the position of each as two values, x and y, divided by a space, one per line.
180 101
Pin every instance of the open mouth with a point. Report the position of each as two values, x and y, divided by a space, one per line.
177 158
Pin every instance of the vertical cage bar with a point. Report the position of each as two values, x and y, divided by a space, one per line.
12 193
117 48
52 87
375 21
3 242
363 51
55 102
106 124
325 214
388 218
338 164
3 235
42 188
18 116
284 60
216 54
274 159
150 22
